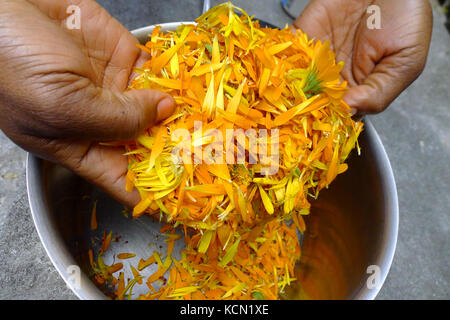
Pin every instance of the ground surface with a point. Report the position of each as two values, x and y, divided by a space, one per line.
415 131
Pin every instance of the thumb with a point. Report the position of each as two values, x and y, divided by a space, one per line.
147 108
110 115
376 92
365 99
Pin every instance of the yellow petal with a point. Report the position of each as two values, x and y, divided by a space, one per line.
264 81
332 169
234 103
277 48
158 146
289 114
208 188
215 51
205 241
266 200
208 102
168 83
229 255
205 68
160 61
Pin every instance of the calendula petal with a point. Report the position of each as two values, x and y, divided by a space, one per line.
229 73
236 100
157 146
266 200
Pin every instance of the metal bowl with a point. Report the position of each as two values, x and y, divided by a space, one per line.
347 249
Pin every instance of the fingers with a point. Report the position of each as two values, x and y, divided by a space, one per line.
106 168
311 21
91 113
134 110
93 107
387 81
387 61
109 46
104 114
381 63
377 91
103 166
380 76
364 99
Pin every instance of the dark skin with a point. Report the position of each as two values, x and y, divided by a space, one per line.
378 64
62 91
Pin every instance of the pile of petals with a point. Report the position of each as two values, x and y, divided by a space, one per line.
240 219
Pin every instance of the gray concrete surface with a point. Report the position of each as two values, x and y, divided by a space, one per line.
415 131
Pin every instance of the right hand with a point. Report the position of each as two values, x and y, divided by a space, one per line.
62 91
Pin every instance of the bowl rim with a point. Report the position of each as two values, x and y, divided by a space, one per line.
62 258
389 239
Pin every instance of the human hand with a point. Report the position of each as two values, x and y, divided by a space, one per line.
62 90
378 64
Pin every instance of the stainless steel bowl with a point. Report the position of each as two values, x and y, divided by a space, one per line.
347 249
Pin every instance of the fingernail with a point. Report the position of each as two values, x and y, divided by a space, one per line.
164 109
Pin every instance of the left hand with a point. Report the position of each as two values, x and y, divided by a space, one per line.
378 64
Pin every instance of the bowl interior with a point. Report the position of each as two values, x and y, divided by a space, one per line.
353 225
